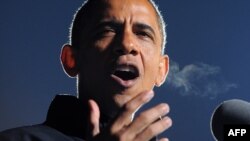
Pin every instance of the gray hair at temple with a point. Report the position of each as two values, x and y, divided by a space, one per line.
83 14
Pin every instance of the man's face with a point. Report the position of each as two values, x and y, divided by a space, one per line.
120 55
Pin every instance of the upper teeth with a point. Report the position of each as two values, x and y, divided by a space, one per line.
126 68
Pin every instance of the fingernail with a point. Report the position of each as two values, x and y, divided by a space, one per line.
167 121
164 108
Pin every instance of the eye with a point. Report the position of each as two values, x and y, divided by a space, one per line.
104 32
144 35
107 32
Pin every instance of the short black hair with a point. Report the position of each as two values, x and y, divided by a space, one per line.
84 13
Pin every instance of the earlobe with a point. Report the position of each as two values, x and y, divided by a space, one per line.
163 70
68 60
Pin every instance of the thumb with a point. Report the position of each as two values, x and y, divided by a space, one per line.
94 117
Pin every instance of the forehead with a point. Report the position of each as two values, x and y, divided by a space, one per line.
131 11
123 9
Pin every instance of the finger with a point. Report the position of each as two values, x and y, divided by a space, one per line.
129 109
147 118
94 118
155 129
164 139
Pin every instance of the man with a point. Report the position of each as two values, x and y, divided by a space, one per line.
116 54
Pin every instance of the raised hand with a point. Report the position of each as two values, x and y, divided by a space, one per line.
123 128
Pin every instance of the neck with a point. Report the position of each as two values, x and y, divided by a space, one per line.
108 108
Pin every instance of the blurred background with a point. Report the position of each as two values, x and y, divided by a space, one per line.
208 43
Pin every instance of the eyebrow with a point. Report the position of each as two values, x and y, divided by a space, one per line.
111 23
144 27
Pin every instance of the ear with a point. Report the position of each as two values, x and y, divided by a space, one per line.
162 71
69 61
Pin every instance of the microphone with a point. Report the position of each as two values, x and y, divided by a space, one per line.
233 111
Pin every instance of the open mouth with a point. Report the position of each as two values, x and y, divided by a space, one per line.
126 72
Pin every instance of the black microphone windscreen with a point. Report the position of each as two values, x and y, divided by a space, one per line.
229 112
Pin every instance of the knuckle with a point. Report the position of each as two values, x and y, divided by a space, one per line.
129 106
151 130
121 136
116 136
113 130
143 117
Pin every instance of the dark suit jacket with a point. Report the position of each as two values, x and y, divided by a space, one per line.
66 121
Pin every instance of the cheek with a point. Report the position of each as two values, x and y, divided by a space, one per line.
150 60
103 44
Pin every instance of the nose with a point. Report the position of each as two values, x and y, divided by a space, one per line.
126 44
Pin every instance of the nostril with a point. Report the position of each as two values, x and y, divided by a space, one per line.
119 51
134 52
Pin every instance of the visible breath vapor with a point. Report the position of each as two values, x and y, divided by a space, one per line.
197 79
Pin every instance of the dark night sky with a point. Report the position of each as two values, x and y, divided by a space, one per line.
208 43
